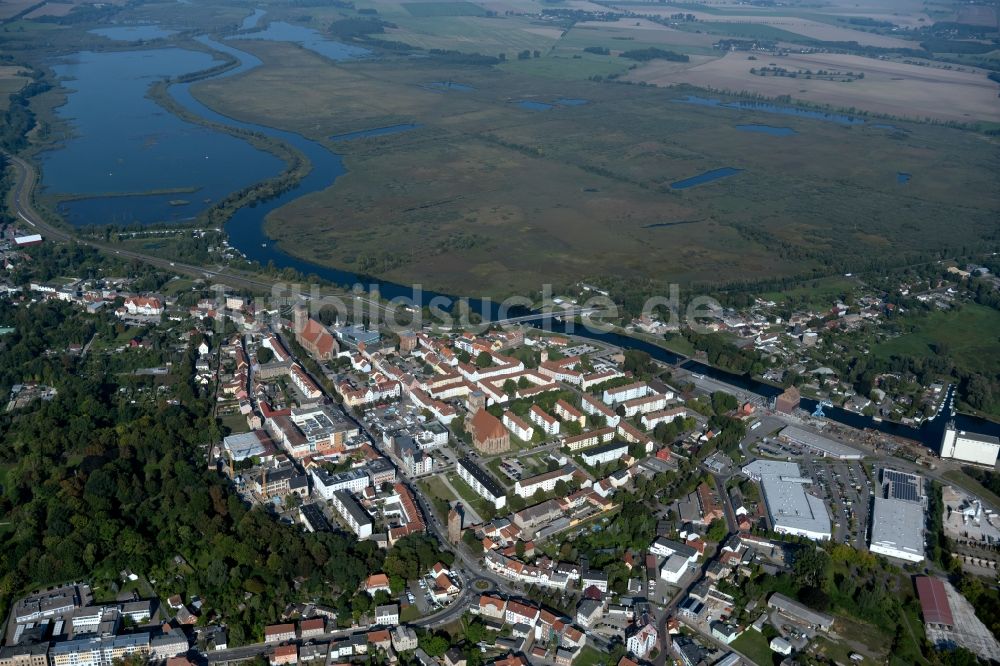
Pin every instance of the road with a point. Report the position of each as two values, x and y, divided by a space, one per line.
25 183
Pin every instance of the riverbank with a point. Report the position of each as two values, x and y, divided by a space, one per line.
62 198
297 165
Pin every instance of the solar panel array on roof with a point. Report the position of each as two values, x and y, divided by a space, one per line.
901 485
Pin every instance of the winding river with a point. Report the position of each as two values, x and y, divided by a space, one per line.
246 233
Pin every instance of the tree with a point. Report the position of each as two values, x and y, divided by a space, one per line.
434 645
717 531
510 387
638 362
484 360
810 565
473 544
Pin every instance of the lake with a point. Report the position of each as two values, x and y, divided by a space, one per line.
133 33
375 131
764 107
657 225
124 143
767 129
534 106
307 38
451 85
902 177
702 178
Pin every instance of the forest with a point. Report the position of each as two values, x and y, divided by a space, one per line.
101 479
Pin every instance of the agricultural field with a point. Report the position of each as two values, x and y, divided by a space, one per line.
11 80
888 87
433 205
774 27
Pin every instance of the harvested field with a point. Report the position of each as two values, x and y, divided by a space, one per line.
9 8
10 82
800 26
51 9
642 31
888 87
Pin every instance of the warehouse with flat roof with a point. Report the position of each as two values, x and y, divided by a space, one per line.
790 508
820 444
969 446
898 529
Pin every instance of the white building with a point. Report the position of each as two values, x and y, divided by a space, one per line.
674 568
326 484
388 615
595 407
969 447
640 640
653 419
304 383
897 529
518 427
600 455
589 438
353 514
791 509
644 405
548 423
481 482
145 306
545 482
622 393
98 651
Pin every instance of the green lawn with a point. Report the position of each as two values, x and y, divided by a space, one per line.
968 333
434 487
819 293
590 656
409 614
753 644
235 423
482 507
965 481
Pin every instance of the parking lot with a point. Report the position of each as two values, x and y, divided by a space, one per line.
847 491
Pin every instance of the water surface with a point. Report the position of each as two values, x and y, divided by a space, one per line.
534 106
657 225
375 131
767 129
252 20
765 107
572 101
902 177
707 177
307 38
451 85
134 146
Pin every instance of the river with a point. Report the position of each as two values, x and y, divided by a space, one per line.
246 233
